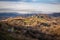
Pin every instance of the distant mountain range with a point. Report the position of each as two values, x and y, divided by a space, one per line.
14 14
55 14
6 15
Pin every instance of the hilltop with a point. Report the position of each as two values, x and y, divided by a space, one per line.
37 27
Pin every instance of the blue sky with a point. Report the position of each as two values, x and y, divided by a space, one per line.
39 1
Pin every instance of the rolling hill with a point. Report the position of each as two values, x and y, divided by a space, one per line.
37 27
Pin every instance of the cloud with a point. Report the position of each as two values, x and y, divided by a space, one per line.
28 7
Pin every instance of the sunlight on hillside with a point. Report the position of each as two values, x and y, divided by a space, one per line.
31 28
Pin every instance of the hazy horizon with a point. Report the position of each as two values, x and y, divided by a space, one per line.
28 6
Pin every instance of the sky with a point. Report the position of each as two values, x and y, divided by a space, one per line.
46 1
25 6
